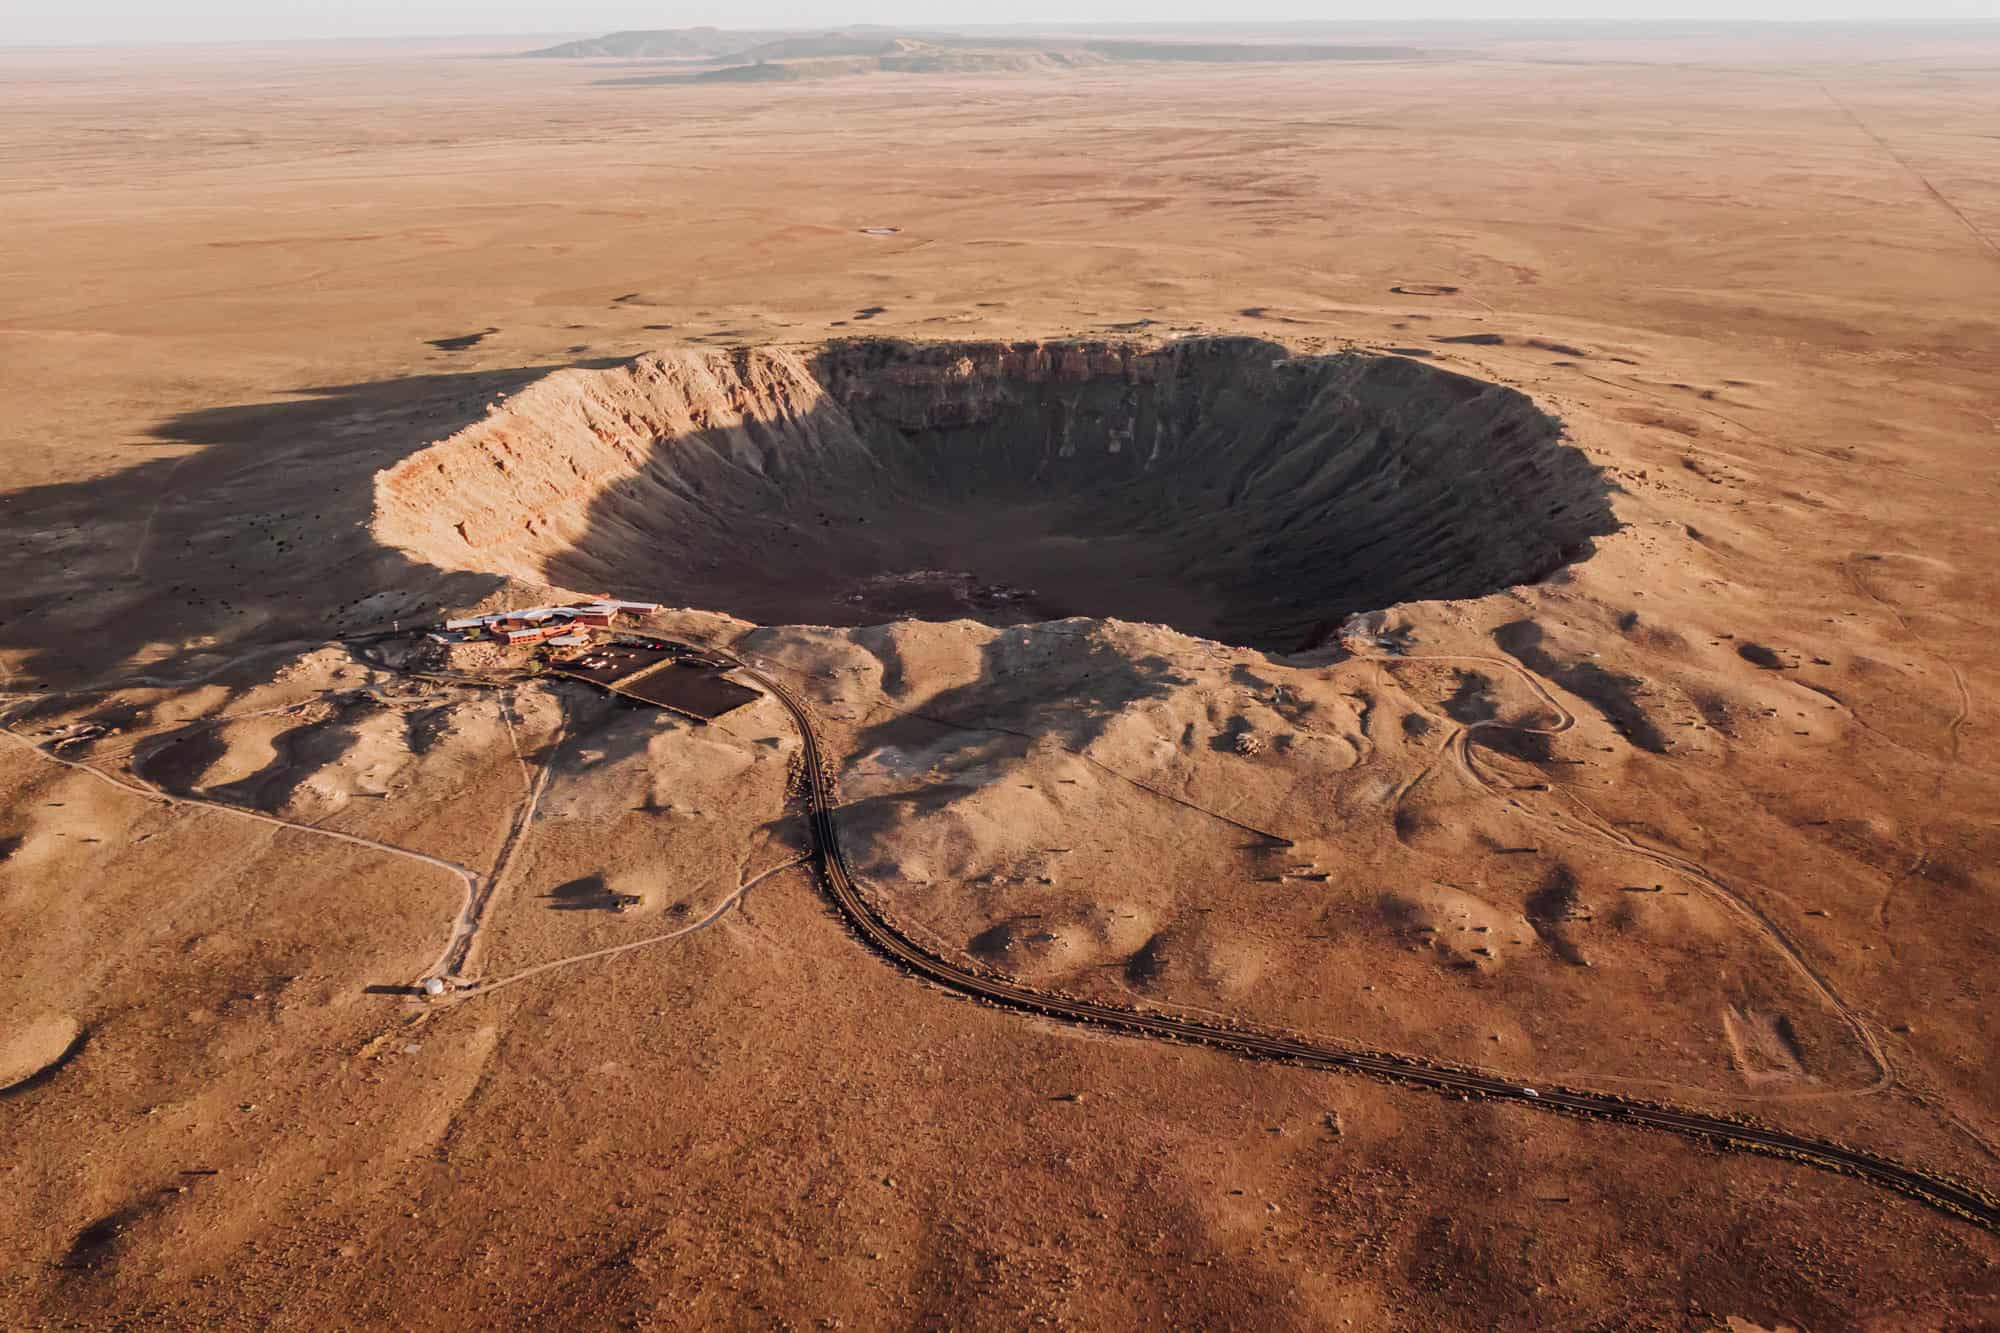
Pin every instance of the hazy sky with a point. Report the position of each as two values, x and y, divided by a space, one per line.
207 20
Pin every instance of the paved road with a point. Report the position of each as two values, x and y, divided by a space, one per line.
1957 1198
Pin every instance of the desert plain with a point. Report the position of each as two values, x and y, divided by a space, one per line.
1485 555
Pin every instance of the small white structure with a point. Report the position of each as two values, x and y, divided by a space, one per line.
434 987
616 604
608 608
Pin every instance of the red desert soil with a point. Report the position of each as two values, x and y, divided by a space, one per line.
1485 558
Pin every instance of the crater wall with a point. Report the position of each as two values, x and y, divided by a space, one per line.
1219 485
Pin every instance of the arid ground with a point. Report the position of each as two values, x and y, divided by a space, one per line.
1487 555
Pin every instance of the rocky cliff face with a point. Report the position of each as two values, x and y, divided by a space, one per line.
1220 485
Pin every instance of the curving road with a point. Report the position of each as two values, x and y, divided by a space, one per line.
1593 826
1956 1198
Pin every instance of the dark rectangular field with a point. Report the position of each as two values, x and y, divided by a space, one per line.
688 687
613 662
669 677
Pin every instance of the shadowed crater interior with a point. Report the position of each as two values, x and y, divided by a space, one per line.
1219 485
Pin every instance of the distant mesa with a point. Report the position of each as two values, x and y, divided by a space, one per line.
660 44
721 55
759 72
1231 53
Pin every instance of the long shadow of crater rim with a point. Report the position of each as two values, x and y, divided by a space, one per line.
1219 485
258 537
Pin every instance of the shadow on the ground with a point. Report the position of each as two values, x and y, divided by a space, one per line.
258 537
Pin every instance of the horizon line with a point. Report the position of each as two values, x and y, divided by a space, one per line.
1024 28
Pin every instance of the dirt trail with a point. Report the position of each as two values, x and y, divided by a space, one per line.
467 878
1978 233
1951 760
1593 827
456 958
482 987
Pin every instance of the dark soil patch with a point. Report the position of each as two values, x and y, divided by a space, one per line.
993 944
1534 746
463 341
1148 965
1613 695
1473 700
1756 654
587 894
178 763
1553 905
96 1245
